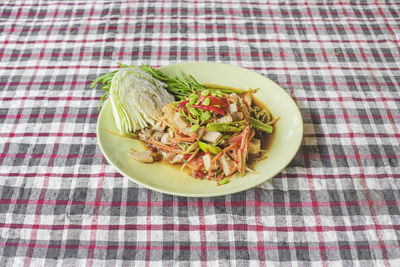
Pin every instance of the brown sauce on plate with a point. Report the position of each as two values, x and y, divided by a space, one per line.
267 139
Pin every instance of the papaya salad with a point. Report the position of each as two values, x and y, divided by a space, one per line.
214 132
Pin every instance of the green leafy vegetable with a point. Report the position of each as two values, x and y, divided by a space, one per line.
179 86
136 99
220 90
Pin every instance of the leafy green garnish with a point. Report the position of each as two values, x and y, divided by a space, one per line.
180 86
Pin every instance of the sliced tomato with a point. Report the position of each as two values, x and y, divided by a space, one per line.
198 174
214 100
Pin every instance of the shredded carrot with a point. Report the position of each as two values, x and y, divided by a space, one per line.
231 171
216 157
164 147
193 155
226 149
243 152
244 156
240 162
251 135
244 138
244 149
183 139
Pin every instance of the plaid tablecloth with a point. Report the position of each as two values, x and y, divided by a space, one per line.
337 203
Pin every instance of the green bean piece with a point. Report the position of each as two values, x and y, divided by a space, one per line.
193 121
221 127
193 111
194 128
191 148
206 115
234 122
205 92
193 98
224 181
230 91
207 102
260 125
223 138
210 148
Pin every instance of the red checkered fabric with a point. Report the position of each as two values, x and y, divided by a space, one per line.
336 204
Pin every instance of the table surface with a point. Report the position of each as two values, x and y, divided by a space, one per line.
337 203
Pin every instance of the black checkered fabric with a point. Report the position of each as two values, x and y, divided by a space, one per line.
336 204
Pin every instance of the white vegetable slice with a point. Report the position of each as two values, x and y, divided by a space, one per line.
137 99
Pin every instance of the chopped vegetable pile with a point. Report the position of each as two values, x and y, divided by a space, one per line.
214 132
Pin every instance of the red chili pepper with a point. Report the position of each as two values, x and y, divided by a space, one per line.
151 147
182 104
186 156
199 174
210 108
219 101
157 158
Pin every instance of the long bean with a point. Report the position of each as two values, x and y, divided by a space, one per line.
221 127
260 125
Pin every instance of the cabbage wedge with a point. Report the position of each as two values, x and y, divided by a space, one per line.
137 99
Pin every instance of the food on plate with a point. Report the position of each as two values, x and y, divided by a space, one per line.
136 99
211 131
